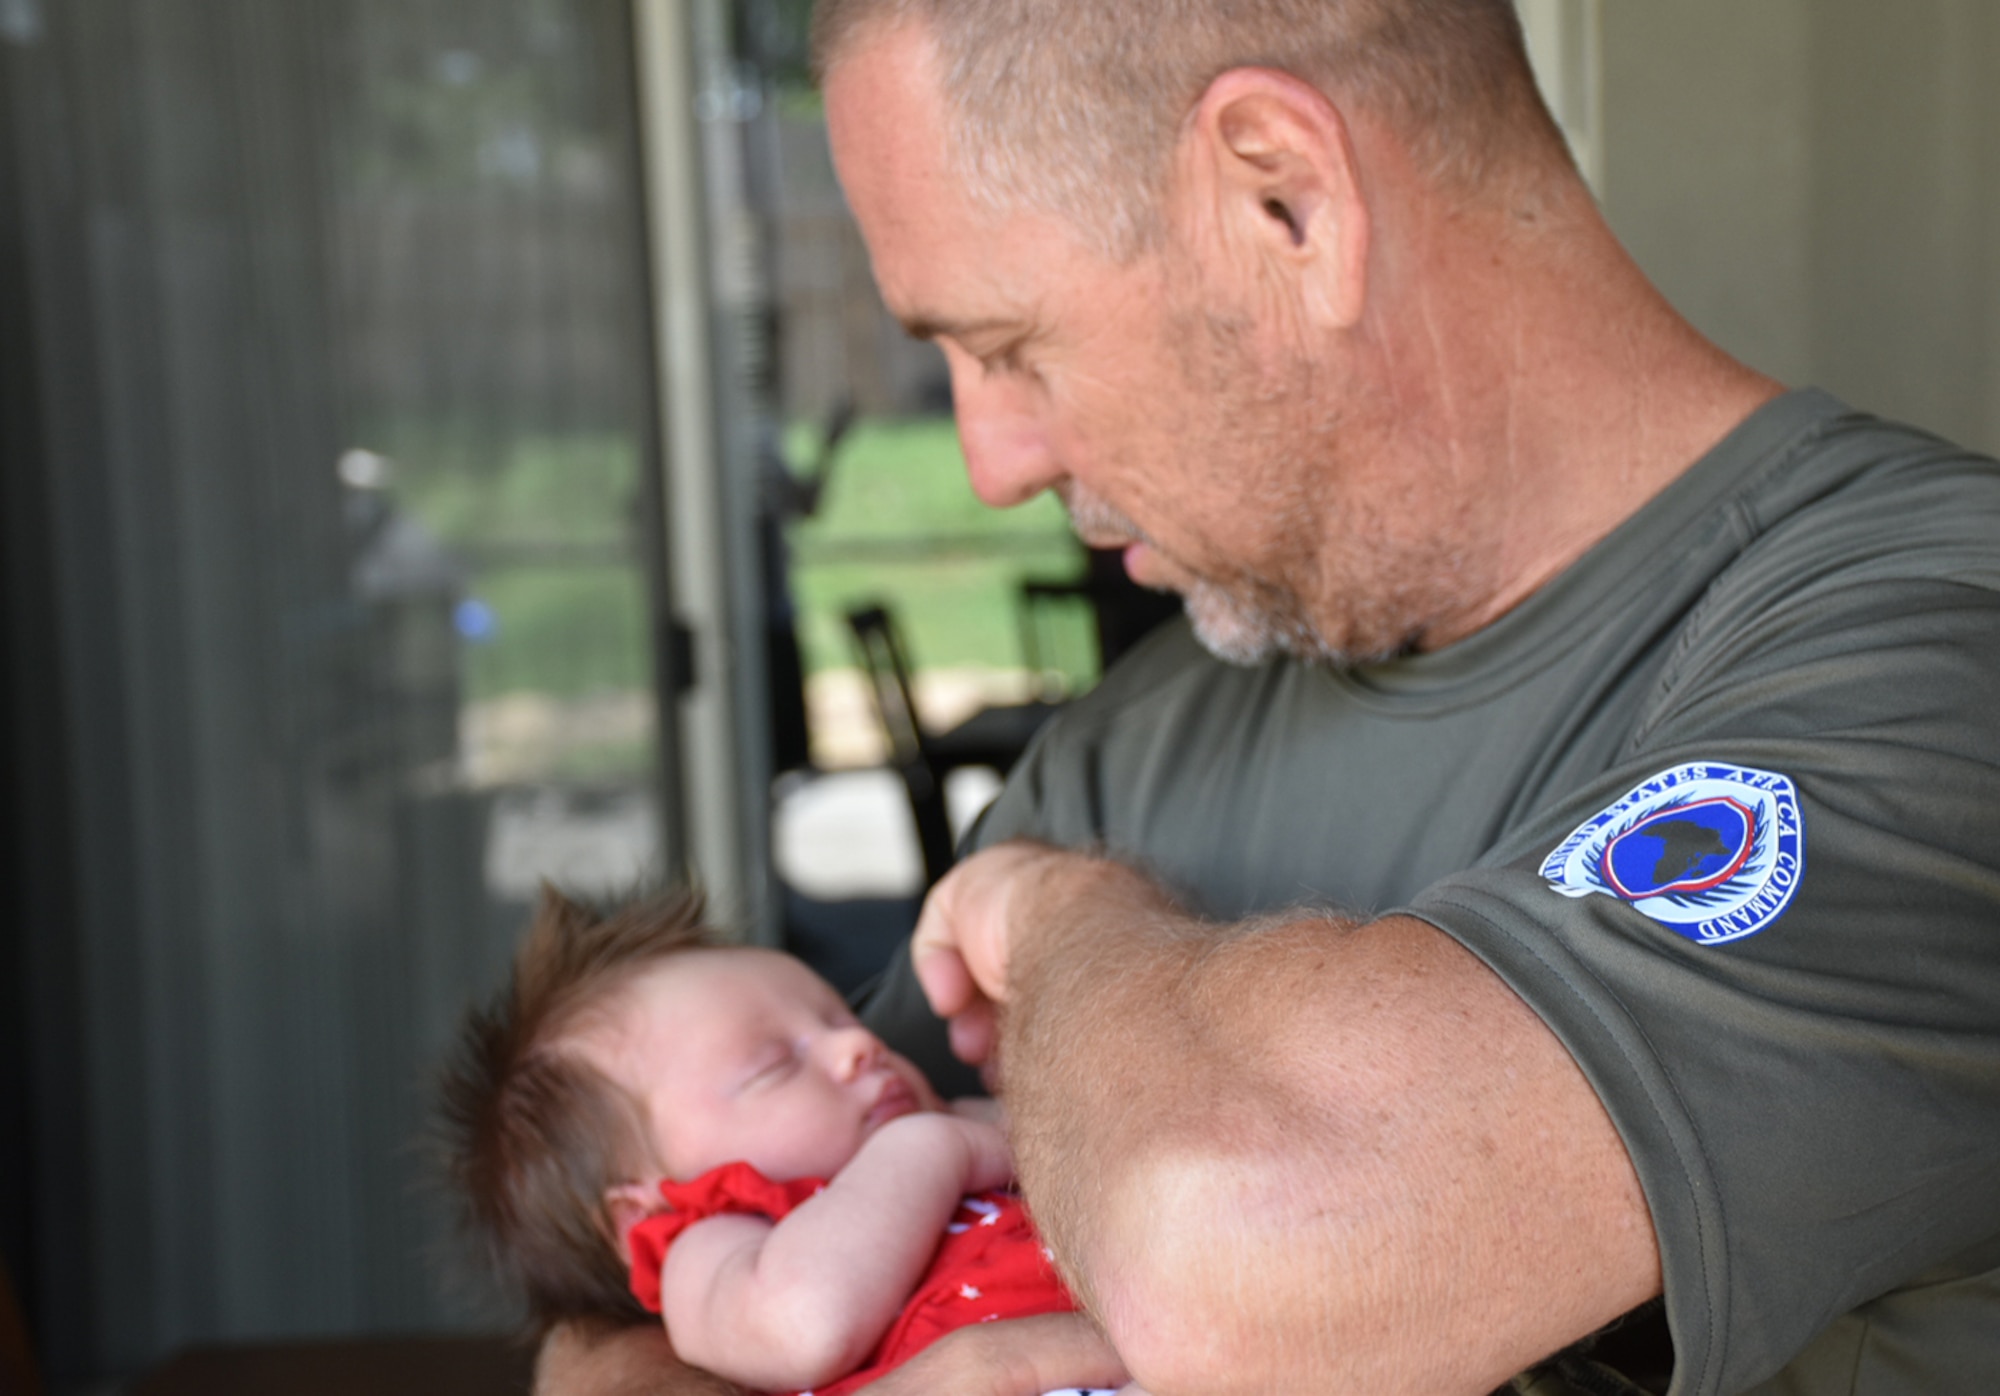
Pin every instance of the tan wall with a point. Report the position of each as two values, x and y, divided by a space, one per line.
1816 183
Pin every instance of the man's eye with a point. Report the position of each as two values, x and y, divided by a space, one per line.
1006 361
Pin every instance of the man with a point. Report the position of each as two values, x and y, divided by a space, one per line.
1635 712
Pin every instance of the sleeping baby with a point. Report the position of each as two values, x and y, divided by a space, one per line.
647 1118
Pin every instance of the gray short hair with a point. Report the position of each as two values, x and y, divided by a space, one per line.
1073 106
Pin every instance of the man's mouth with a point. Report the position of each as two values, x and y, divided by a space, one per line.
1102 538
1096 522
1100 526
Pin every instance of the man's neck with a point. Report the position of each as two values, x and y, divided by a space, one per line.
1534 367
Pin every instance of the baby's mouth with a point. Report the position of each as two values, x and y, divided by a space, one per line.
896 1100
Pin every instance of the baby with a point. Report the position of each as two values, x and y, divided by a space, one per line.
645 1118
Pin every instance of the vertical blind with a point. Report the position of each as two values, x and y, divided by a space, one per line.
337 319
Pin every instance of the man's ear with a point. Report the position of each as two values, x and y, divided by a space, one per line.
628 1204
1268 172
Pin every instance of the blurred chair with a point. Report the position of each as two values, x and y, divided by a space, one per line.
994 736
881 651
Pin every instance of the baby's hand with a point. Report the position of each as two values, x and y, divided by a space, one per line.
983 1108
793 1304
992 1161
972 1153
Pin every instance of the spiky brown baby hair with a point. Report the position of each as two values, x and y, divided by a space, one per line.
534 1135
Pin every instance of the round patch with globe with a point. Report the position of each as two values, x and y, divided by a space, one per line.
1712 852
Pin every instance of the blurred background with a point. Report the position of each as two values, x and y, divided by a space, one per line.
447 444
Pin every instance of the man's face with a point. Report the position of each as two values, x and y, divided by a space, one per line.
1183 435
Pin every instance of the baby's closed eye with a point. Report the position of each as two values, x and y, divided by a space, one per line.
771 1068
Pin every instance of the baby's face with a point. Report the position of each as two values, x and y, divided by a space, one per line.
747 1054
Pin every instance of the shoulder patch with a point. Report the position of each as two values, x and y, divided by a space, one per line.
1711 852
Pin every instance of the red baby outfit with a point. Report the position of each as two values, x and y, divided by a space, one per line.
989 1264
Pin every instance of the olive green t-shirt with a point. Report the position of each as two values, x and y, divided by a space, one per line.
1722 804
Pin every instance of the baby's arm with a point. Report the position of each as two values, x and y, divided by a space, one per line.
798 1303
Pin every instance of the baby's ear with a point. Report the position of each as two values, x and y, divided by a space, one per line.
628 1204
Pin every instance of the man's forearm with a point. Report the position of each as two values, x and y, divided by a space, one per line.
1011 1357
1113 1058
1306 1149
1015 1357
583 1358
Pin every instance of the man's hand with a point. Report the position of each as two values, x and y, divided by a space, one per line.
961 944
975 923
584 1358
1015 1357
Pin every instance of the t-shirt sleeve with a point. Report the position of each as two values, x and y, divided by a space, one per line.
733 1189
1771 938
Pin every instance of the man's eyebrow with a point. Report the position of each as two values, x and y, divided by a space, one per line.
926 327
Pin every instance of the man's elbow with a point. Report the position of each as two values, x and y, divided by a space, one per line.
1213 1275
1219 1273
1180 1274
1178 1332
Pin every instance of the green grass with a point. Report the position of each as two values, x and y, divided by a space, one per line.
895 485
898 524
569 624
573 490
908 476
564 631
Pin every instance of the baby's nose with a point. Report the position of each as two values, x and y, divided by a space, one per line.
853 1051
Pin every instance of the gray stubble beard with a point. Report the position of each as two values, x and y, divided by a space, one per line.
1388 586
1243 625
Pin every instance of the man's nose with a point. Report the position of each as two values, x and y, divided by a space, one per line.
851 1051
1007 455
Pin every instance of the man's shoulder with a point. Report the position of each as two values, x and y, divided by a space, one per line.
1858 506
1860 491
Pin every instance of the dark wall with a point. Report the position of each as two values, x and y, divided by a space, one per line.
16 446
41 1143
245 885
